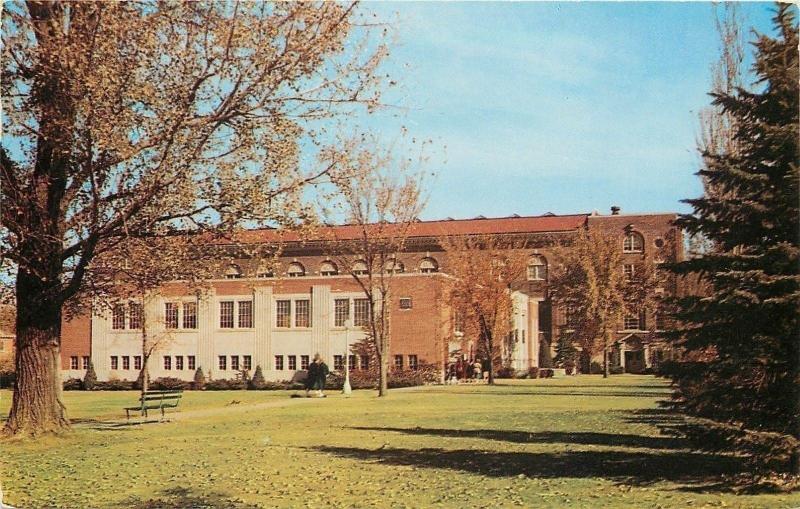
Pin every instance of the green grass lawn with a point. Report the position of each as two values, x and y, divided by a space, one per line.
575 442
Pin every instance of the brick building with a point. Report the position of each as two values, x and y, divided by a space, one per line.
279 317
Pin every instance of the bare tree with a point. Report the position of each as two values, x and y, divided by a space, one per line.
484 270
380 197
129 115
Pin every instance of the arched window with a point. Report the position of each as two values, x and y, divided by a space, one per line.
428 265
328 268
537 268
360 267
395 265
296 269
233 272
633 243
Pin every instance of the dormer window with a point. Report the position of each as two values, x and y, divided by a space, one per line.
395 266
360 268
296 269
633 243
328 268
428 265
233 272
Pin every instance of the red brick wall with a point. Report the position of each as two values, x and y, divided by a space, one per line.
76 335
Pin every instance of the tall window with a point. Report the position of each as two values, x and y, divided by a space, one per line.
365 362
341 312
126 362
413 363
247 362
245 314
338 362
233 272
292 362
226 314
537 269
190 362
190 315
85 362
428 265
398 362
135 318
634 321
283 316
296 269
360 268
114 362
458 321
118 317
630 272
328 268
171 315
179 362
235 362
137 362
304 361
360 312
633 243
73 362
223 362
167 362
302 313
351 362
279 362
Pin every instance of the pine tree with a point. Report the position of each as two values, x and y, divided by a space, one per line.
90 378
199 379
741 333
565 351
257 382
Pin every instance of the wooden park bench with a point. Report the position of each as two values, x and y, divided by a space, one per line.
156 400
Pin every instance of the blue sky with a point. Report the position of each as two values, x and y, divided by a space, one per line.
555 107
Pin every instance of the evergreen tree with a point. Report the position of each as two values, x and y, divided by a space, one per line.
545 357
565 351
90 378
741 332
257 382
199 379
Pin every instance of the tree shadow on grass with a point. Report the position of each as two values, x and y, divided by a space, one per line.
547 392
693 471
185 498
543 437
110 425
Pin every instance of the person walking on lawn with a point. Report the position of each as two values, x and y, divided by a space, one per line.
317 373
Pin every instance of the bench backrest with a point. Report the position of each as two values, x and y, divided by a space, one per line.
160 396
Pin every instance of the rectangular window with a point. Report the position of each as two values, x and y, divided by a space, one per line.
167 362
360 312
279 362
284 313
405 303
302 313
73 362
226 314
245 314
341 312
171 315
365 362
190 362
630 271
235 362
661 322
412 362
304 362
135 318
398 362
137 362
247 363
223 363
179 362
85 362
126 362
190 315
118 317
631 322
292 362
114 362
458 321
338 362
351 362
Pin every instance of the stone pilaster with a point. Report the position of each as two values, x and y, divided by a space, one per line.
262 347
321 321
206 323
100 330
533 334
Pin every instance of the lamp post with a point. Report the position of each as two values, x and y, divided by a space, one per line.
346 389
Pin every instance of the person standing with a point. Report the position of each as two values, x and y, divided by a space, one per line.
317 373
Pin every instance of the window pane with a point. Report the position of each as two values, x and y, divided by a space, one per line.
226 315
405 303
341 312
292 362
137 362
167 362
179 362
283 315
118 317
85 362
114 362
351 362
412 362
73 362
279 362
126 362
338 362
360 312
235 362
223 363
171 315
304 362
365 362
398 362
245 314
190 361
302 313
189 315
247 363
135 320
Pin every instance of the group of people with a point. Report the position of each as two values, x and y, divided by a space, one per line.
315 379
462 369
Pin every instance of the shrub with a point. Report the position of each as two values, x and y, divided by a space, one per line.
506 373
616 370
257 382
545 373
113 385
533 373
226 385
199 380
169 384
90 378
73 384
595 368
425 374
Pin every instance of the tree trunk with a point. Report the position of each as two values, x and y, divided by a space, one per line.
383 387
36 407
605 363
